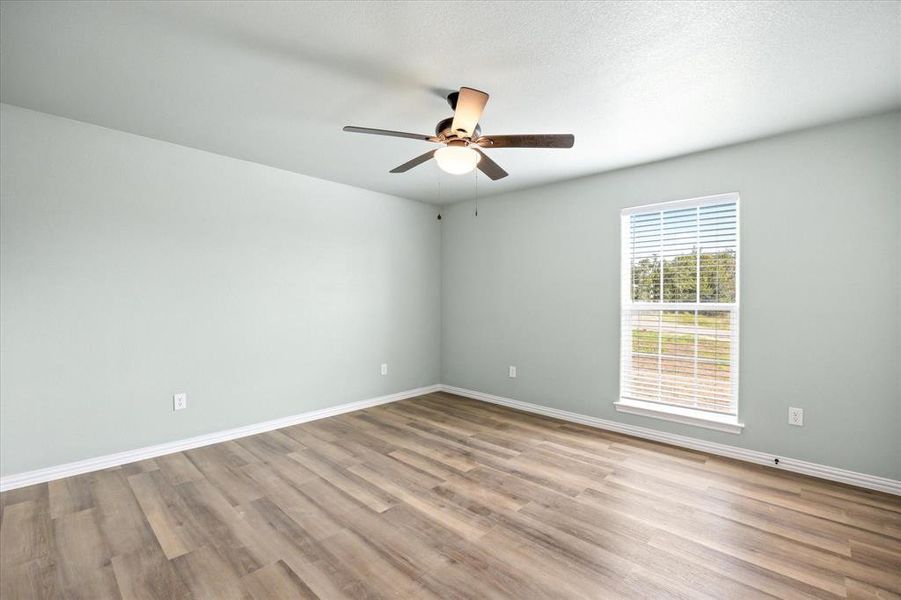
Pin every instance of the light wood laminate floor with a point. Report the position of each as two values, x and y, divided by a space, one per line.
445 497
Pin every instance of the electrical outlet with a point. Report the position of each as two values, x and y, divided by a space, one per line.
512 372
180 401
384 368
795 416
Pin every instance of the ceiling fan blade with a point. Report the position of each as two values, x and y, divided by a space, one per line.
388 132
413 163
561 140
470 104
489 167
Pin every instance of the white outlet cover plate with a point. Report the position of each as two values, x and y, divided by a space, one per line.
179 401
795 416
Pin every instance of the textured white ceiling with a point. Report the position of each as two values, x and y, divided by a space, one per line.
275 82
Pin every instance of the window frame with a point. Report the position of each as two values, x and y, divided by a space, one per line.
671 412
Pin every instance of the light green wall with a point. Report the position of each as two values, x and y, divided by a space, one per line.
533 281
133 269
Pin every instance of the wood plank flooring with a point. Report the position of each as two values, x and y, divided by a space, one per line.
444 497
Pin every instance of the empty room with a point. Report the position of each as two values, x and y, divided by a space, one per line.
450 299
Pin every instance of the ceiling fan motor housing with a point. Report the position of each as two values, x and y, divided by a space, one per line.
443 129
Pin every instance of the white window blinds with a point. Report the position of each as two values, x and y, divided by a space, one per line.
680 304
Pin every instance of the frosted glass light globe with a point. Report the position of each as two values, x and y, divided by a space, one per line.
457 160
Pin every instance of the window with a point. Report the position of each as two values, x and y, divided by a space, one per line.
680 312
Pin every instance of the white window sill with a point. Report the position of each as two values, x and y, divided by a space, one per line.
678 414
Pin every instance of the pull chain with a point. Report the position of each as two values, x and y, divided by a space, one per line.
477 192
439 196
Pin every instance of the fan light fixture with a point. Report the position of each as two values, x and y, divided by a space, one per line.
457 160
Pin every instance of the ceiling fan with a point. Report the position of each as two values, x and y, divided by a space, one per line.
462 141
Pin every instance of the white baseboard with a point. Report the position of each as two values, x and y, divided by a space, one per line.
11 482
872 482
